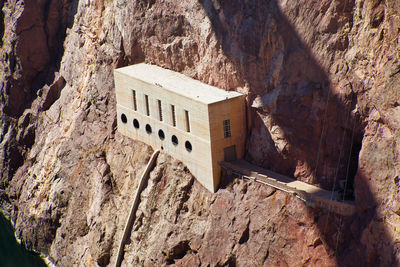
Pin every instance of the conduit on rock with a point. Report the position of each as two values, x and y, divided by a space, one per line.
135 205
312 195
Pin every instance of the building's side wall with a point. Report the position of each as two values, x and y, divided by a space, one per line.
198 114
233 110
198 160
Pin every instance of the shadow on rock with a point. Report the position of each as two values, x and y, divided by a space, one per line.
300 123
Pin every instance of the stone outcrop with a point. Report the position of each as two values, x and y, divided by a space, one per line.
323 105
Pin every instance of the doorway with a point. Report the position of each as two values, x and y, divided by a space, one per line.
230 153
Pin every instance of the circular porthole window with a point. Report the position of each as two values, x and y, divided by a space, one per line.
123 118
161 134
148 129
136 123
174 140
188 146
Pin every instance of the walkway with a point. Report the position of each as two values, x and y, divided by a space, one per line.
312 195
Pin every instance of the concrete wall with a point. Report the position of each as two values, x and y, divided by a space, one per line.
198 160
233 110
198 113
202 117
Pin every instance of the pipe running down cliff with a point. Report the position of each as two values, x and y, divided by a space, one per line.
135 205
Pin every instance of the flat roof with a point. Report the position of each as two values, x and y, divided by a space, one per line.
178 83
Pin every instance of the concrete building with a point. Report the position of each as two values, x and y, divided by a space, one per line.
195 123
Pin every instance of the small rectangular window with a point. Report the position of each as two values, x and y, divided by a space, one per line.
146 98
160 110
227 128
187 121
173 115
134 100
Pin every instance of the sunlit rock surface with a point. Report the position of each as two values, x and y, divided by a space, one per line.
323 103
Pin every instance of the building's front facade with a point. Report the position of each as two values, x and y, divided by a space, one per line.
195 123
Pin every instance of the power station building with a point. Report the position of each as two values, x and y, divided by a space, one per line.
196 123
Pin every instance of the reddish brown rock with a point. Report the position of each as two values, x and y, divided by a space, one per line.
322 81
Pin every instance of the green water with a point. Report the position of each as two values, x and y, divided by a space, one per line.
11 253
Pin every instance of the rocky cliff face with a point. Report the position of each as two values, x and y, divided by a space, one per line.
323 105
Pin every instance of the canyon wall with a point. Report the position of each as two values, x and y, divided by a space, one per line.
322 83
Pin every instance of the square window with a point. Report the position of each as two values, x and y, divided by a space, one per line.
227 128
